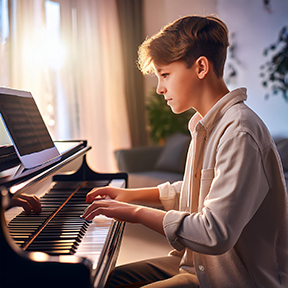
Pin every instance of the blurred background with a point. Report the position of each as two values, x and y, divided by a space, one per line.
78 58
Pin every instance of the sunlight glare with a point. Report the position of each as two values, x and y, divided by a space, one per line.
55 53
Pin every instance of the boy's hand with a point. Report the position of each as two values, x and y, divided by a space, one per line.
113 209
30 203
113 203
107 192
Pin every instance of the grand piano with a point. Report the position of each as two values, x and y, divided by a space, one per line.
56 248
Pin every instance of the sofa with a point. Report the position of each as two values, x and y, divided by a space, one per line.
153 165
282 146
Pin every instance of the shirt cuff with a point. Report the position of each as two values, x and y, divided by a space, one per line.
169 194
171 222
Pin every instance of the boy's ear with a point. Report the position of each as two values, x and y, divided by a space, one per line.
203 67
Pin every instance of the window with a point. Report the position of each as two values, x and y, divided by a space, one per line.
4 21
4 33
54 48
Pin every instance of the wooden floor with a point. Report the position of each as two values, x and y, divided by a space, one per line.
140 243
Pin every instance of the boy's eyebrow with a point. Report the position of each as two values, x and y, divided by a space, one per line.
158 68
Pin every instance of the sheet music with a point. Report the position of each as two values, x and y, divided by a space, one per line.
21 116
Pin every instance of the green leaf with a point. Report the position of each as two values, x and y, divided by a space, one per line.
162 121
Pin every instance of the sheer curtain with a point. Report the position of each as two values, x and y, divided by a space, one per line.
4 60
80 92
103 79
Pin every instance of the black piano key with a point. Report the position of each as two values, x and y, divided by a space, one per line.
21 237
55 250
55 245
47 242
21 230
59 252
19 242
58 236
52 248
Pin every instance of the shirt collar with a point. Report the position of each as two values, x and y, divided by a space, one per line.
218 110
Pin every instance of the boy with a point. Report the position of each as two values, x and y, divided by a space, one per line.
228 218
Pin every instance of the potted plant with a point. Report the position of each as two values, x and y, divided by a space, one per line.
162 121
275 71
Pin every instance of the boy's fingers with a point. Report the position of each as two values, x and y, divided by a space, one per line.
21 203
95 192
28 202
99 193
33 202
96 204
90 216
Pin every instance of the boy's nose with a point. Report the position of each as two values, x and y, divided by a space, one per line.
160 89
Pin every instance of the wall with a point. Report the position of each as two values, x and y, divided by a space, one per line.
255 29
158 13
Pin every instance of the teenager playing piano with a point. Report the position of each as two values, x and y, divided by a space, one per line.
227 219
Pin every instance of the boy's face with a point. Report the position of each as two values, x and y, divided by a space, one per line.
179 85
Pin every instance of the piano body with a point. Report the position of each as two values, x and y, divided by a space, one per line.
56 248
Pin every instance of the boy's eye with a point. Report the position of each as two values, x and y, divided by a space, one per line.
164 75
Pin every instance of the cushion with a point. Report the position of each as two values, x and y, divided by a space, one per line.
152 178
282 147
173 156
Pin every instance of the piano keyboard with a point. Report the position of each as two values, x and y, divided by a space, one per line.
58 229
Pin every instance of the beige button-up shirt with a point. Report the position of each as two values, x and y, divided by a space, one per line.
229 214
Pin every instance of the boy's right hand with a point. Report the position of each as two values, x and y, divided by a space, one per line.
107 192
30 203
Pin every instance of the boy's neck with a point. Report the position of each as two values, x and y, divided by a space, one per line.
213 90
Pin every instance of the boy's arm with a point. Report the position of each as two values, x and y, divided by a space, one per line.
234 190
143 195
151 218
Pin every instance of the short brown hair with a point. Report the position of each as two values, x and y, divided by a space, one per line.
186 39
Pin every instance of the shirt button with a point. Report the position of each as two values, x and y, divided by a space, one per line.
201 268
196 175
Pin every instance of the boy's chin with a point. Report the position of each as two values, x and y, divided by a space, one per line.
177 111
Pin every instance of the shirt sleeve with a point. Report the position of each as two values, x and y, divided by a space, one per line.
169 195
237 190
